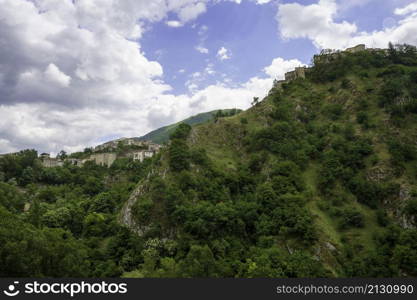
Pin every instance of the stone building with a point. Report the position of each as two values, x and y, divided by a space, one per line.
103 159
112 145
141 155
154 147
49 162
299 72
147 150
356 49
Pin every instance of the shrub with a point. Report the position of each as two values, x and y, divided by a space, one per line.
351 217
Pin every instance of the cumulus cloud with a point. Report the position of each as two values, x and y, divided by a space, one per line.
317 23
223 54
202 49
280 66
73 74
174 23
191 11
412 7
263 1
56 76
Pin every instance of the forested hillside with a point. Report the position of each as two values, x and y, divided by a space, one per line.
317 180
161 135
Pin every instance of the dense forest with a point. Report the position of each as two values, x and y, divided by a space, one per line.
317 180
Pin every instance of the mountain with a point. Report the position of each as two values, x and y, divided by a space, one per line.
319 179
162 134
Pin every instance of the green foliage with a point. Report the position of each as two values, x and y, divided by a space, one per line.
11 198
22 165
321 162
179 155
363 119
333 111
162 135
27 251
350 217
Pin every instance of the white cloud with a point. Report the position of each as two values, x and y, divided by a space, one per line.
223 54
280 66
55 75
202 49
316 22
407 9
174 23
210 69
263 1
75 74
191 11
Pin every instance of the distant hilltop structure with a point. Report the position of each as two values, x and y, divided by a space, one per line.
325 55
112 145
107 153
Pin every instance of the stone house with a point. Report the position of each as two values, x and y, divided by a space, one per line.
103 159
49 162
141 155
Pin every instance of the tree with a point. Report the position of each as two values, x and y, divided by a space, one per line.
178 155
28 176
182 132
11 198
62 155
199 262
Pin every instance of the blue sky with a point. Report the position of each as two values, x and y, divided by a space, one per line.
247 30
77 73
250 32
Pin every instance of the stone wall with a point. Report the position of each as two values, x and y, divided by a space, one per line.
356 49
48 162
299 72
104 159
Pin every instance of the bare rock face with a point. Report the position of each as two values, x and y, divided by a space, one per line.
330 246
405 220
397 208
126 217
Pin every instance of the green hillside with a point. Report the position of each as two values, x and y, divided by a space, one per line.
161 135
317 180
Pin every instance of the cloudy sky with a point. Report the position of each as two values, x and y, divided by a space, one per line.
75 73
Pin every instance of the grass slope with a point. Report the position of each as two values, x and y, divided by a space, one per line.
349 127
161 135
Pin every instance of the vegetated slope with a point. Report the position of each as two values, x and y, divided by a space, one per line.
318 179
161 135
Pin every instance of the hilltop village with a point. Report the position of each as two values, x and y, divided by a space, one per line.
326 55
106 153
